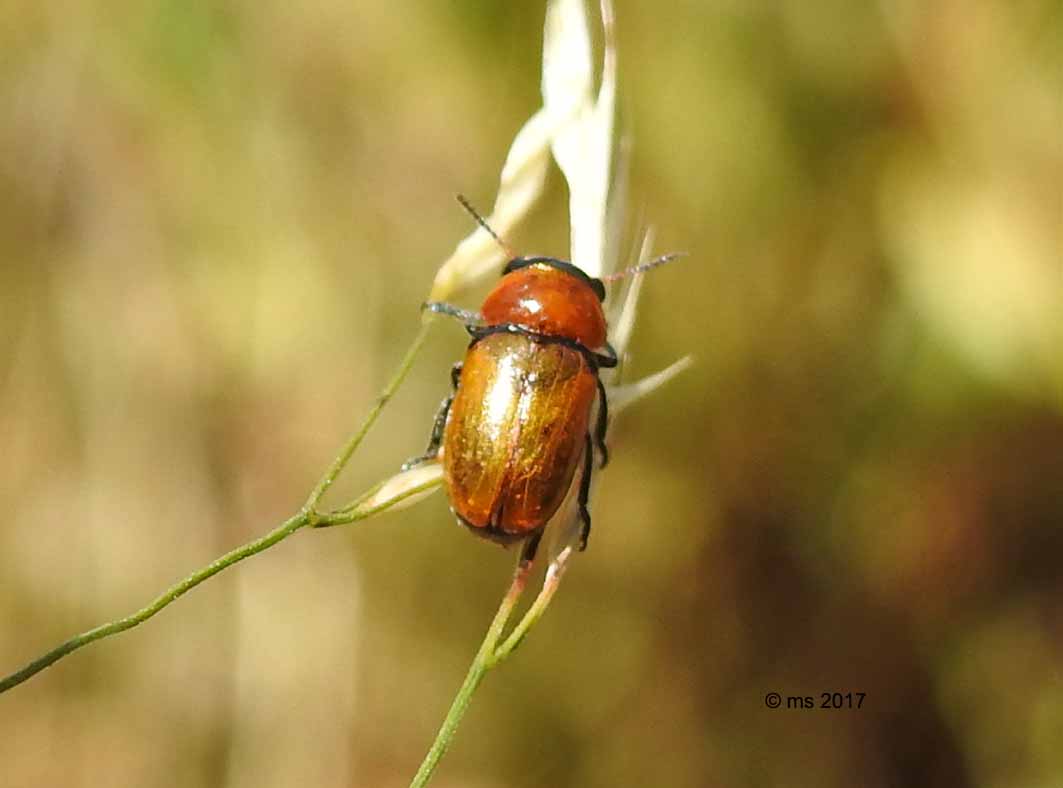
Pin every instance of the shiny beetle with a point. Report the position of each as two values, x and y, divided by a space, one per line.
518 423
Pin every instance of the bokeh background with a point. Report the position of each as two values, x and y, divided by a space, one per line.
217 222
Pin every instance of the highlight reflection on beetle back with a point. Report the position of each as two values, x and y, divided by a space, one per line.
515 433
548 301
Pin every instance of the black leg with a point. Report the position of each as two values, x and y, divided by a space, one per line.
464 315
602 426
609 359
438 426
585 493
527 552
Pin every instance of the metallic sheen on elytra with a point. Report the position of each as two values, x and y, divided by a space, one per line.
516 432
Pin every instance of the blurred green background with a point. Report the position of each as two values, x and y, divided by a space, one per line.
218 220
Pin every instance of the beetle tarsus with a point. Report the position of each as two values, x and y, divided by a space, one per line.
438 426
613 358
436 439
528 551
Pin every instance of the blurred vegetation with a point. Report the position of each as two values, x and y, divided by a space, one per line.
218 220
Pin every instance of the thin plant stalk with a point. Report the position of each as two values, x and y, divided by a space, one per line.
165 598
535 612
308 515
491 654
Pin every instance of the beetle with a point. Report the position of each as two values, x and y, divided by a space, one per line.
515 428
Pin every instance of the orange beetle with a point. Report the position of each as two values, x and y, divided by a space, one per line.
518 422
514 429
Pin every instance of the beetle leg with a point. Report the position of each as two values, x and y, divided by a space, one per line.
527 552
438 426
602 426
464 315
436 438
607 360
585 493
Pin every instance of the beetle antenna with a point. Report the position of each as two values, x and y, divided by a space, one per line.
643 267
483 223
